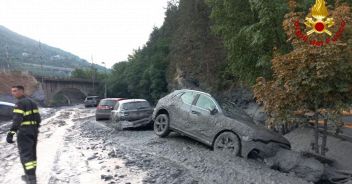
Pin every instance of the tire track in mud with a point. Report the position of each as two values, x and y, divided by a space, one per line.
79 159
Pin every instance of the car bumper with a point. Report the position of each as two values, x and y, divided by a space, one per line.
90 103
101 115
136 123
264 149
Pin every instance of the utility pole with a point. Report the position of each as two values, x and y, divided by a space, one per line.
41 61
7 62
106 76
93 73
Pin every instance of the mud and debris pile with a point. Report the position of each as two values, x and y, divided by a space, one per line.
289 161
74 148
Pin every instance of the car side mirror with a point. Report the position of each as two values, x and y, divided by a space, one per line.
214 111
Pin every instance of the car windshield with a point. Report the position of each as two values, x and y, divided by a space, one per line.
110 103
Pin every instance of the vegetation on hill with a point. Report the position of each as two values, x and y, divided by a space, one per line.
21 53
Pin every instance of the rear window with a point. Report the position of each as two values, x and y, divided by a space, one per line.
110 103
91 98
141 105
135 105
128 106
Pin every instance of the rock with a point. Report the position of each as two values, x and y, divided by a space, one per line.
106 177
109 177
92 157
148 180
112 154
130 163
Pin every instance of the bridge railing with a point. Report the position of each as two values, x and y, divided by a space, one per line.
64 79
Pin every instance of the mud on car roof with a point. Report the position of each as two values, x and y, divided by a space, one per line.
191 90
132 100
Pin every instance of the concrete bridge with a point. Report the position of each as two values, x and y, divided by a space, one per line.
72 90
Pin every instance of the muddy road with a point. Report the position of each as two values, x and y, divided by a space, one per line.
74 148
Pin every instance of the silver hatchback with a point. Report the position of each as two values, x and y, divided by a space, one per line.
132 113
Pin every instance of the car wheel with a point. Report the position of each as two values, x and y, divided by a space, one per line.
162 125
97 119
227 142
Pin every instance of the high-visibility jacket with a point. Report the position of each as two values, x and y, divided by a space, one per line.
26 113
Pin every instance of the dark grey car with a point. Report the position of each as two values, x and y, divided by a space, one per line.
105 107
6 110
91 101
132 113
199 116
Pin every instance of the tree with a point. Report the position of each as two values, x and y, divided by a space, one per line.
144 74
251 32
309 79
91 74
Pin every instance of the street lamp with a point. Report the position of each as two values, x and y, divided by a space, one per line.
105 89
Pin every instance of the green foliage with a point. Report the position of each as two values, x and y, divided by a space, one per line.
89 74
252 32
21 53
197 56
309 78
94 75
143 75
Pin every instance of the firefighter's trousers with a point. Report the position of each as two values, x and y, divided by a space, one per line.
27 138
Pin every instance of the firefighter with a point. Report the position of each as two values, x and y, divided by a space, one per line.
26 120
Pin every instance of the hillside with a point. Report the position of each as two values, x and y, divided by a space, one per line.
18 52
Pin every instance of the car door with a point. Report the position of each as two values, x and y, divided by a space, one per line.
201 119
182 107
145 110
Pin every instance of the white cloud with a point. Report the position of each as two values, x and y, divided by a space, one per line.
107 29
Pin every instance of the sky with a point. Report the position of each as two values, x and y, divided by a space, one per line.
99 30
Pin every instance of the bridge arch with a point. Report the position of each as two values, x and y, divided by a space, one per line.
71 90
67 96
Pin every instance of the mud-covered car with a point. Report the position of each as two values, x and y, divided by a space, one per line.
199 116
132 113
6 110
105 107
